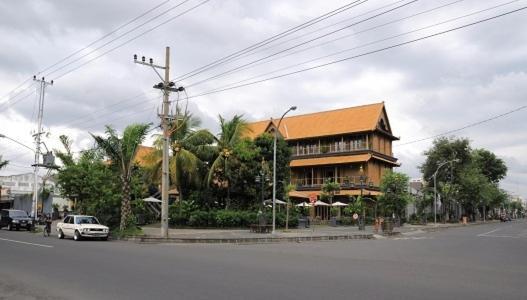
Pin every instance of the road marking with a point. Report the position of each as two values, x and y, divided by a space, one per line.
27 243
486 233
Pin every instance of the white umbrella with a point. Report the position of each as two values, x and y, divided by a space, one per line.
277 201
320 203
304 204
338 203
152 199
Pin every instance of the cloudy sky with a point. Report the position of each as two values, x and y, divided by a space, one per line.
429 87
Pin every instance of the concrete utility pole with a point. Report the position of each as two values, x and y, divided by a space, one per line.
42 92
166 86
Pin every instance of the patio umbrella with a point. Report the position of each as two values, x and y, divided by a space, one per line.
270 201
320 203
339 204
303 204
152 199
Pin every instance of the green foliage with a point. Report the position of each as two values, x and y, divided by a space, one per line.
121 152
394 187
3 163
471 180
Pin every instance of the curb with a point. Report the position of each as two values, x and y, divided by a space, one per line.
434 229
263 240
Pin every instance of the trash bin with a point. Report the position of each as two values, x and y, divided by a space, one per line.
302 223
333 222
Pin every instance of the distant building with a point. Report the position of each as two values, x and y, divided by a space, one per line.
17 193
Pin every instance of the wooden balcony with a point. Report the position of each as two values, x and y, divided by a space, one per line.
347 182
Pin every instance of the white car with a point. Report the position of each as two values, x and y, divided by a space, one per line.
79 227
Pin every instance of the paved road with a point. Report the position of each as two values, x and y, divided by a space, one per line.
476 262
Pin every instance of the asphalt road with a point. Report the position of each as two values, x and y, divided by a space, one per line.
475 262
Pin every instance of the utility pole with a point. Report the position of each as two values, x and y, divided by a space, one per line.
166 86
42 92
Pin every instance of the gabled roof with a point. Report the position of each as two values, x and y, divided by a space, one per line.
356 119
141 154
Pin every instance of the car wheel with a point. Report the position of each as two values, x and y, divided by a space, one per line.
61 234
104 238
9 227
18 228
77 236
28 228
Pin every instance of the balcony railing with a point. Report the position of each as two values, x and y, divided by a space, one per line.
339 147
344 182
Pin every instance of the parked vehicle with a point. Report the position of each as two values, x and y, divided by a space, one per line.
80 226
15 219
505 218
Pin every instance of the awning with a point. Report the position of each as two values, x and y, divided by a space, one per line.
332 160
298 194
386 160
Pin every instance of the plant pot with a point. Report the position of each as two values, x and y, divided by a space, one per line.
387 225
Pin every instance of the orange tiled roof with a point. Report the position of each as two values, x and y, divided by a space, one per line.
140 155
332 160
256 128
340 121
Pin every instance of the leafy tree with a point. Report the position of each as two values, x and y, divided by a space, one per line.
329 188
3 163
265 143
394 187
491 166
231 133
121 151
190 147
91 182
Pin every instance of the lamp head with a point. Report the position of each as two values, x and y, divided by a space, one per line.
293 108
135 56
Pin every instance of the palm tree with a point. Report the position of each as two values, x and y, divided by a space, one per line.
190 146
231 133
3 163
121 151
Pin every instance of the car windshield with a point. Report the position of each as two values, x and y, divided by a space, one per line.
86 220
18 214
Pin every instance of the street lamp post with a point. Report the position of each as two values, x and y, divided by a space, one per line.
274 166
362 178
435 187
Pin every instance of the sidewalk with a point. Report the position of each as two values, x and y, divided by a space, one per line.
315 233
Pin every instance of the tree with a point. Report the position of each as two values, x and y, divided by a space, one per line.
190 147
265 143
121 151
90 181
329 188
394 187
3 163
231 133
491 166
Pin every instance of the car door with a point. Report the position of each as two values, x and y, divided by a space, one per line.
67 225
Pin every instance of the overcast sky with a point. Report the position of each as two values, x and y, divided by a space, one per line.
429 87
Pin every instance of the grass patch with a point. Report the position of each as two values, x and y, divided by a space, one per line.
131 231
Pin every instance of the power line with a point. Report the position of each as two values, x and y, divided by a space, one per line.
270 39
132 39
302 43
464 127
362 45
360 55
120 36
90 44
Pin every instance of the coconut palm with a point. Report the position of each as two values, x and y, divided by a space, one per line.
231 133
190 146
3 163
121 152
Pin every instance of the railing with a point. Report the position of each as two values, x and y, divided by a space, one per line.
344 182
339 147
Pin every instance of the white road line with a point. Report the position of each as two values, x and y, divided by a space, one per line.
484 234
26 243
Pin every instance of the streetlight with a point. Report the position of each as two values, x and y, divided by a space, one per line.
435 186
274 166
362 178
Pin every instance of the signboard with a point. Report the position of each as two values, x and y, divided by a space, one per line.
355 216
